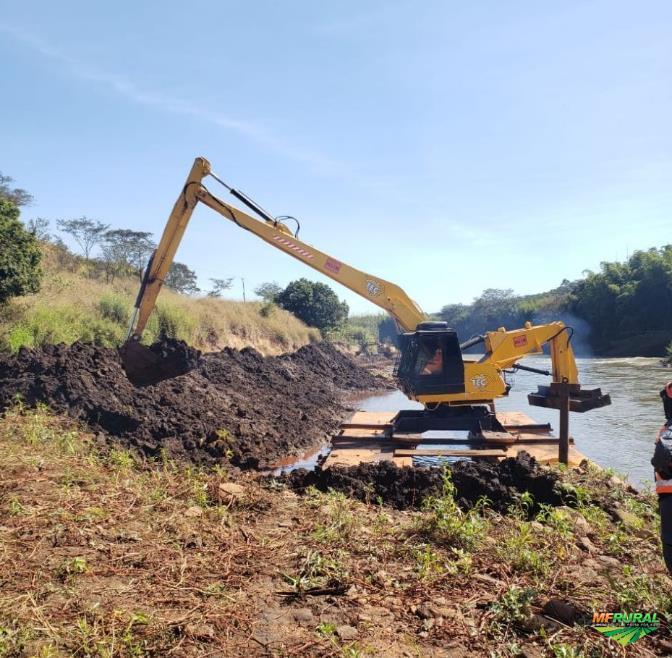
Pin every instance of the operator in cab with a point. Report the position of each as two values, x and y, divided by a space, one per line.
662 464
434 365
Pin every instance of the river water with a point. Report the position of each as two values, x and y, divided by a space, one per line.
619 436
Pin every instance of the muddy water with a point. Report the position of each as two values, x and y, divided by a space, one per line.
619 436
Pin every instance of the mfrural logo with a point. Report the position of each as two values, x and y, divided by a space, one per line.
625 627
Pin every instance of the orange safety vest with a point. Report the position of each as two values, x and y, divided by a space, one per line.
663 486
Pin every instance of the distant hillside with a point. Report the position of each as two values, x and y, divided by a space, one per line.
625 309
76 303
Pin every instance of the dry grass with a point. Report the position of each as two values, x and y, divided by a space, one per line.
101 556
74 305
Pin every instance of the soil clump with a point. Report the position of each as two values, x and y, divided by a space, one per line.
407 488
235 406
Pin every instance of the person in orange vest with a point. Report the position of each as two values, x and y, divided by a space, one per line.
662 464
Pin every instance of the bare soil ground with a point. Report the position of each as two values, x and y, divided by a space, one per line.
105 556
236 407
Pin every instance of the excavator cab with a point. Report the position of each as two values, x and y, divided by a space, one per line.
431 361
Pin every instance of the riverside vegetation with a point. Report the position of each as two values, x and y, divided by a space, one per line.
107 556
74 304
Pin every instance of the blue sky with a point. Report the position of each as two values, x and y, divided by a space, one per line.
448 147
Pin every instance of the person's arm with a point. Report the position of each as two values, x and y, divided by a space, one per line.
661 455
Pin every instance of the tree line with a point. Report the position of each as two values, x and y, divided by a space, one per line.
116 252
625 307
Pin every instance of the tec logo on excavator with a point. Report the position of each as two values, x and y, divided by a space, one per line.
479 381
374 289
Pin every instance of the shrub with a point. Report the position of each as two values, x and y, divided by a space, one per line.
175 322
20 272
314 303
114 308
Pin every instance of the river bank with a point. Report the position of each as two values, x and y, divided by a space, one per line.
106 556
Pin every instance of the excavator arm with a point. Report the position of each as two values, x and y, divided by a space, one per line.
383 293
432 369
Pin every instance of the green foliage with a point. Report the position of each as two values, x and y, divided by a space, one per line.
182 279
314 303
629 305
268 291
446 522
43 325
15 195
114 308
124 250
20 272
219 286
87 233
513 607
174 321
501 308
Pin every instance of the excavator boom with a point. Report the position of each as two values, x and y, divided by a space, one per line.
431 369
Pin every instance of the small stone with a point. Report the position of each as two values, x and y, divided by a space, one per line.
534 623
230 490
303 615
440 611
627 518
347 633
608 561
194 511
566 612
200 631
485 578
587 545
428 624
581 526
285 524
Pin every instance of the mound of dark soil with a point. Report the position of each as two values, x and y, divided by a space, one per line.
403 488
236 405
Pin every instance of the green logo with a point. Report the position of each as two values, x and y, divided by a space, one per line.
625 627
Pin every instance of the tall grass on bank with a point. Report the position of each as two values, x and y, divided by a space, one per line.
74 306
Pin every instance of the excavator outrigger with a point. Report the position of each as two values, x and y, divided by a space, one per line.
457 392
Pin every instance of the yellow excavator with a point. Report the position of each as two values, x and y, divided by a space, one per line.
457 392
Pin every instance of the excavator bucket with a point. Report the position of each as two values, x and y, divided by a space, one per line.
168 358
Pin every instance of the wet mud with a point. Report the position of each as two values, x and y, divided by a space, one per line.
235 406
407 488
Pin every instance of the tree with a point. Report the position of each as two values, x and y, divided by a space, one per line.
39 227
20 255
219 286
15 195
268 291
86 232
314 303
126 250
182 279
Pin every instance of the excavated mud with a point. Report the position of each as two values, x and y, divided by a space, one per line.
407 487
235 406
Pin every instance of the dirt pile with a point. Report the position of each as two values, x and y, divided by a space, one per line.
236 405
407 487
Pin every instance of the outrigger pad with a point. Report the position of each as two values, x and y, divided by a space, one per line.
580 399
165 359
